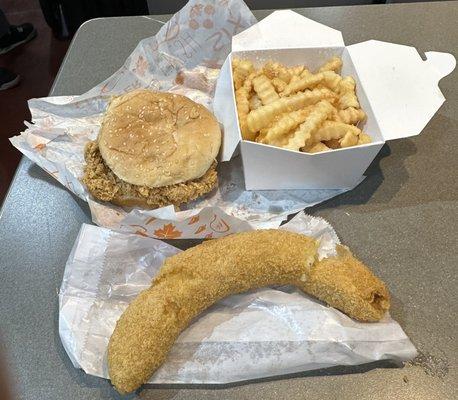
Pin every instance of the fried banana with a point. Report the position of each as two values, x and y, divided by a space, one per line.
190 282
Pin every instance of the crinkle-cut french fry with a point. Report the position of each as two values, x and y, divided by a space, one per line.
235 63
264 89
284 74
294 79
297 70
332 144
321 86
263 116
279 84
317 148
308 98
302 137
241 100
350 139
247 134
240 71
331 79
255 102
333 130
301 84
242 96
333 64
248 83
364 138
276 70
270 69
352 115
305 73
335 116
263 132
346 89
243 108
285 124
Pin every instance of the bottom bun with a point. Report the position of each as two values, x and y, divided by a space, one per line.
104 185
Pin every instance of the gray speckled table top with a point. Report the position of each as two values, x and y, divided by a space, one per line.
402 220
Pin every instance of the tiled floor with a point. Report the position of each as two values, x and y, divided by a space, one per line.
37 62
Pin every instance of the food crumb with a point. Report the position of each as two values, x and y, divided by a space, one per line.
405 379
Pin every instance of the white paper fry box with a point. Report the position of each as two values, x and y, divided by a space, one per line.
397 89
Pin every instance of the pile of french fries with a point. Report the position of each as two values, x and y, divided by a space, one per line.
296 109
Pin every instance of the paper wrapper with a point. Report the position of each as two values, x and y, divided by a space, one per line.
184 57
263 333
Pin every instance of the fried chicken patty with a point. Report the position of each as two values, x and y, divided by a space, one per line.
104 185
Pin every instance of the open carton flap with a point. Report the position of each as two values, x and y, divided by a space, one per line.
402 88
286 29
225 112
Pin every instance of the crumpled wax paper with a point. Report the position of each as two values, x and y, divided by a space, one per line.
184 57
266 332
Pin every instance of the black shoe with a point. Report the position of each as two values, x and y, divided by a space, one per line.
18 35
8 79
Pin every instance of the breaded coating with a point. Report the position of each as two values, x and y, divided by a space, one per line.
104 185
193 280
347 284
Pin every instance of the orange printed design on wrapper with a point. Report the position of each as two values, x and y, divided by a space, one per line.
196 10
200 229
207 24
209 9
40 146
141 231
219 225
198 19
150 220
209 235
193 24
132 86
141 65
187 45
172 32
219 40
222 38
48 122
173 28
211 63
193 219
69 185
111 83
168 231
54 174
153 44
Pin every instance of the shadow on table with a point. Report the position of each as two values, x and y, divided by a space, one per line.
332 371
37 172
367 189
